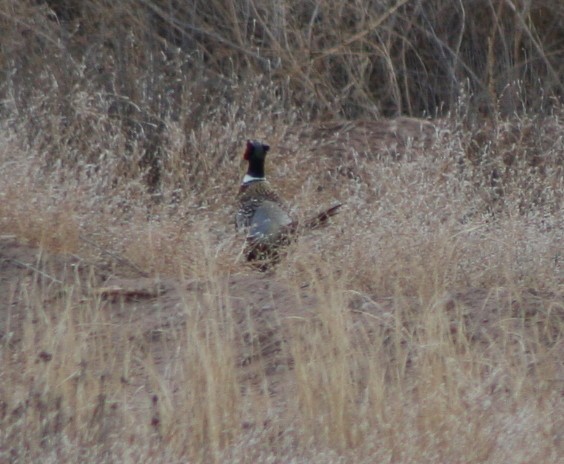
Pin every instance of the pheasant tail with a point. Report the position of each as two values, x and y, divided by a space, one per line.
322 218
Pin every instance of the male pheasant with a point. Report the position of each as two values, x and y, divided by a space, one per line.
262 212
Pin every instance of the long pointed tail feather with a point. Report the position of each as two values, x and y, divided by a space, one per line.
321 218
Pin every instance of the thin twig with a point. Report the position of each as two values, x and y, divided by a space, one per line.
32 268
119 259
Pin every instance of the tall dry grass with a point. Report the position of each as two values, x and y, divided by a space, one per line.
432 328
137 66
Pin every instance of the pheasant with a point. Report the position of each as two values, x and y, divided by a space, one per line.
263 213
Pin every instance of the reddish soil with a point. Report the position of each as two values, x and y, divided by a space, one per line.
261 306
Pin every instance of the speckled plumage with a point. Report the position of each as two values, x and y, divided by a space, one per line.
263 214
259 197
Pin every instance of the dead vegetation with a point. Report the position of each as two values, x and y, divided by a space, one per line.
425 324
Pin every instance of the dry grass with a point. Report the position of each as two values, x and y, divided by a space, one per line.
425 324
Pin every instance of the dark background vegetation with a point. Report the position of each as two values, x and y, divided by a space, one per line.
135 65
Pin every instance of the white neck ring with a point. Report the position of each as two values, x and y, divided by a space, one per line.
247 179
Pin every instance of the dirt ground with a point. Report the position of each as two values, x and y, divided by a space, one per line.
262 307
